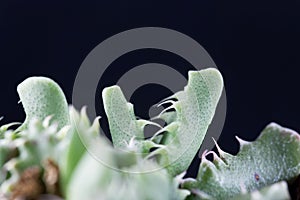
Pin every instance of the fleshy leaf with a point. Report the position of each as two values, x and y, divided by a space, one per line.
182 137
123 124
194 108
273 157
42 97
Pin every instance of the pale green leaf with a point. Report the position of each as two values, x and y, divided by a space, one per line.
195 107
182 137
273 157
42 97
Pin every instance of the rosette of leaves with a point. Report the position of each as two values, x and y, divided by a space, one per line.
47 154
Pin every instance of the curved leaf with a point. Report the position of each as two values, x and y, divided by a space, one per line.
183 136
42 97
195 107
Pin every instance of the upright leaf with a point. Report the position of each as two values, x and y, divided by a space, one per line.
42 97
187 125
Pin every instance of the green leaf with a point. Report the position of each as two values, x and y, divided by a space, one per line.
42 97
273 157
195 107
183 136
123 124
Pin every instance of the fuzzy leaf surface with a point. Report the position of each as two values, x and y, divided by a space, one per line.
273 157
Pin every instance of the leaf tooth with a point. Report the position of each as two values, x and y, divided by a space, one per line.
165 102
160 151
179 177
169 128
215 156
242 142
96 124
223 155
166 117
206 167
142 123
203 156
158 133
131 143
63 132
216 159
7 126
173 106
220 151
166 109
47 120
174 96
153 144
74 115
83 115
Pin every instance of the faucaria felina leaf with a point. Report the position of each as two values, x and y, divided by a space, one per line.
42 97
194 110
273 157
123 124
187 125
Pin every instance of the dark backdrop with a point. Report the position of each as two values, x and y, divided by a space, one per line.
255 45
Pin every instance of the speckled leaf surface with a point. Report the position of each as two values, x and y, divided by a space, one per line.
42 97
123 125
194 109
273 157
183 135
40 137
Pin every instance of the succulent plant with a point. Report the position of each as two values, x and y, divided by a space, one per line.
49 154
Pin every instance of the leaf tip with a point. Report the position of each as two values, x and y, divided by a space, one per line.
242 142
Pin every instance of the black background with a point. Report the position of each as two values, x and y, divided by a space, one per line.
255 45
